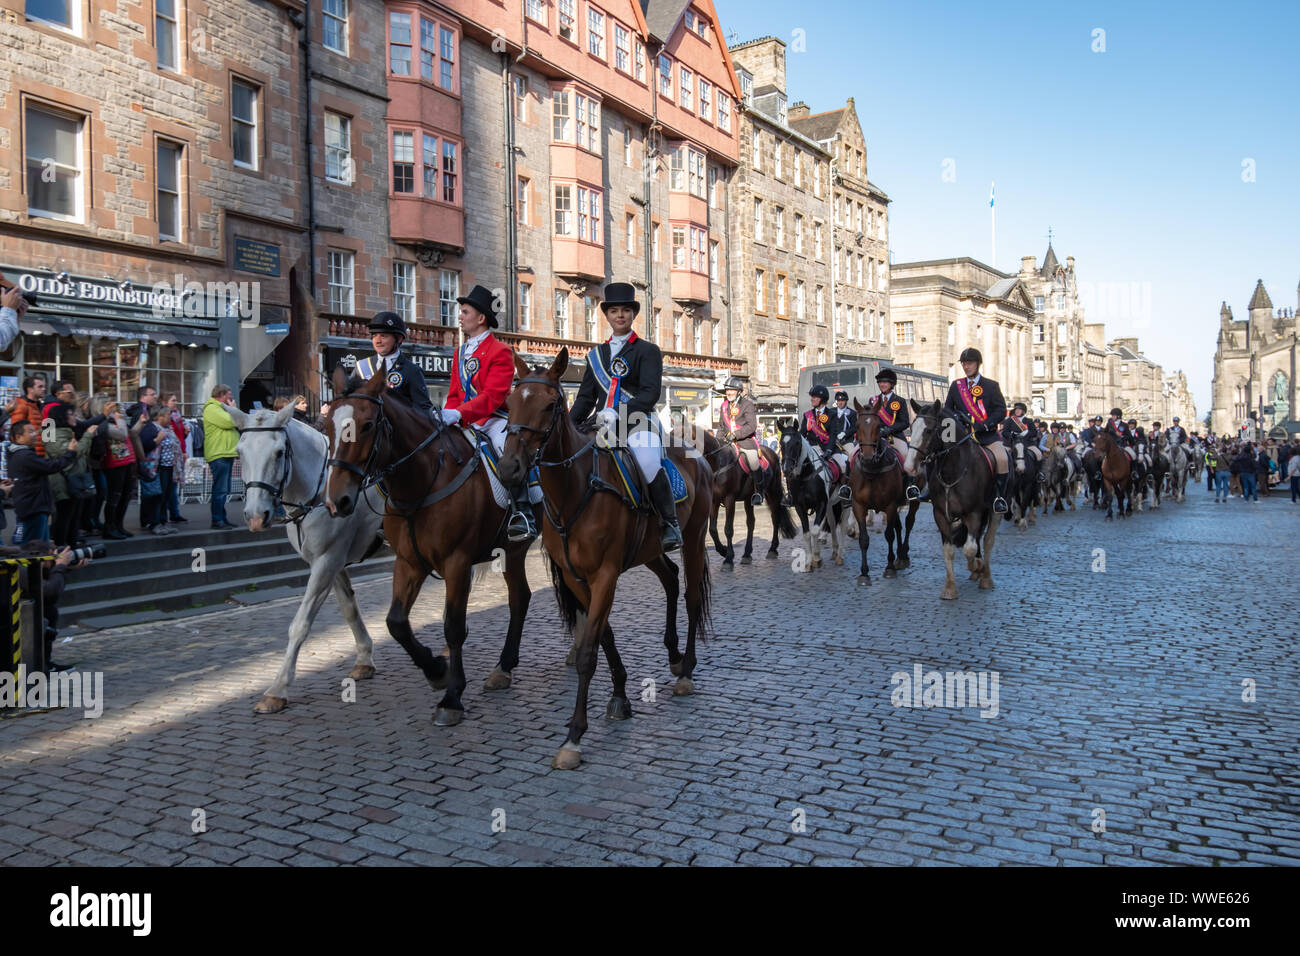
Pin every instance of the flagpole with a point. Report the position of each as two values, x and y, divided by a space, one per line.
993 225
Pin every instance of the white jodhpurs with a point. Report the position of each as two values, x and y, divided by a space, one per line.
647 447
496 430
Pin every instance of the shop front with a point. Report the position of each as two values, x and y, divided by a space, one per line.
111 337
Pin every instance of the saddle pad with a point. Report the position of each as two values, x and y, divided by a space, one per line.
489 456
624 465
744 461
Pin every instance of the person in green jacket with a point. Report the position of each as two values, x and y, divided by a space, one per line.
219 440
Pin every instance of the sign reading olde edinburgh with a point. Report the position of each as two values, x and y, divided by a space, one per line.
81 296
260 257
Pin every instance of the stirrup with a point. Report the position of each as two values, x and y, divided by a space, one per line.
670 538
1000 505
913 493
845 493
756 499
787 501
520 528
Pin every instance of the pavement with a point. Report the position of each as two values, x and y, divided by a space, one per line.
1146 711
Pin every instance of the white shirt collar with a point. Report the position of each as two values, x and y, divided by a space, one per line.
392 358
616 343
472 344
974 380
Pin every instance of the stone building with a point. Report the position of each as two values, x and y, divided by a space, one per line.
598 144
1255 370
152 192
942 306
1180 403
859 238
1059 355
1141 383
780 197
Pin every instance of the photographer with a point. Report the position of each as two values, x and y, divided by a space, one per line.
53 581
12 308
33 500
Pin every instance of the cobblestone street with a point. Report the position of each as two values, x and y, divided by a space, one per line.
1120 705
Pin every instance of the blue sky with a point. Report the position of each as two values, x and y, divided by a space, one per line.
1133 156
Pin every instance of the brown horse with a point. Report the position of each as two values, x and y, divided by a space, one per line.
440 516
592 538
879 483
1116 474
731 483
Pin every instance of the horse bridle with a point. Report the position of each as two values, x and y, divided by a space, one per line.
557 409
383 435
277 491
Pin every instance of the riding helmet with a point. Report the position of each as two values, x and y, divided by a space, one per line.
819 391
887 375
1116 412
972 355
1020 405
841 394
734 383
388 322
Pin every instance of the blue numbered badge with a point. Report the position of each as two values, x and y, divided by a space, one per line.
471 365
619 367
394 379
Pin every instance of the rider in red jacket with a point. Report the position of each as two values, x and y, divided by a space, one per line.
482 374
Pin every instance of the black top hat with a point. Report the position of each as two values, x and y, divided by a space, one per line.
388 322
483 300
620 293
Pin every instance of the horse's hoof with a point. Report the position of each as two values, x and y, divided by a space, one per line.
567 758
497 680
865 580
839 561
684 687
675 668
572 658
772 555
446 717
728 565
902 564
891 572
986 584
619 708
974 574
948 594
747 559
270 705
362 672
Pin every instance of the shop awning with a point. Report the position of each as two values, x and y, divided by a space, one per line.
83 328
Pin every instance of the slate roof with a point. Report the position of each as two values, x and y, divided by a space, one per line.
1260 299
819 126
662 15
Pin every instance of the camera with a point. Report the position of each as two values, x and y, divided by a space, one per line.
30 298
86 553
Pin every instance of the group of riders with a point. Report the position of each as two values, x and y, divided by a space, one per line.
976 402
622 384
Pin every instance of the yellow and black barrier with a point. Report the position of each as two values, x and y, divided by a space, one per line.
23 633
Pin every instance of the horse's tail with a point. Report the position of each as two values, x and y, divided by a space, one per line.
705 624
775 491
566 599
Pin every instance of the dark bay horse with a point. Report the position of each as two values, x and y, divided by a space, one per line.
1116 474
809 480
879 483
1024 487
960 475
592 536
731 484
440 516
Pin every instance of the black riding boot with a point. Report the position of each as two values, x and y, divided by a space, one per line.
661 494
521 526
760 486
999 494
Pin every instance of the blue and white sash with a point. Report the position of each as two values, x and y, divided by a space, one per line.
612 384
466 377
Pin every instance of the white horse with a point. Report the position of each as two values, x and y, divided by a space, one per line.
1179 466
283 461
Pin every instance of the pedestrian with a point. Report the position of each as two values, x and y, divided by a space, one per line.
30 407
1245 465
94 410
1211 464
178 428
300 412
74 488
1264 465
1222 476
33 500
219 440
169 455
1293 472
119 465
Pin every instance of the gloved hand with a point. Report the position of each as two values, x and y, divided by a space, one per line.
607 419
450 416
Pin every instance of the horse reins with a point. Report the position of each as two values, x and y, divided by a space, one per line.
277 492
